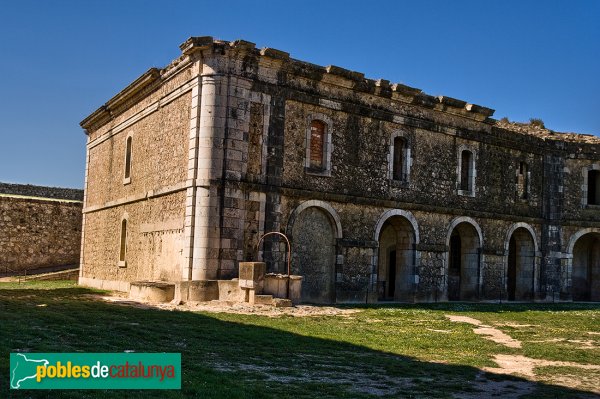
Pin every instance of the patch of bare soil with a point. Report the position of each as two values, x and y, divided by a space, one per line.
517 325
234 307
488 332
522 365
264 310
580 343
518 365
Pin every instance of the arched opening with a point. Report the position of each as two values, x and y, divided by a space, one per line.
586 268
463 263
396 260
520 270
313 254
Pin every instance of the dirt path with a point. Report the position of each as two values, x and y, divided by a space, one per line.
488 332
234 307
515 364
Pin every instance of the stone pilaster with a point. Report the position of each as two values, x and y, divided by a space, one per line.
190 201
211 132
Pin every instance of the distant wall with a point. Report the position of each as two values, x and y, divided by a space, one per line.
41 191
39 233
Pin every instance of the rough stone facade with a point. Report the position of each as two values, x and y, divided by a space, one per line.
40 228
385 192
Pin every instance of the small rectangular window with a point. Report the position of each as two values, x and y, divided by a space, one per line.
317 137
399 159
466 171
523 181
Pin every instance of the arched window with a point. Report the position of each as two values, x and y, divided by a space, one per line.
127 176
317 144
593 187
466 170
523 181
123 244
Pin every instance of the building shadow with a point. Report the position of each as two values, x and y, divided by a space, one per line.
232 356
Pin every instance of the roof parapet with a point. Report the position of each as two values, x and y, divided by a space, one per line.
478 109
402 92
407 93
276 54
404 89
243 45
195 43
345 73
451 102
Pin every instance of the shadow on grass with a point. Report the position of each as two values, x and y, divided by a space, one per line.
225 356
484 307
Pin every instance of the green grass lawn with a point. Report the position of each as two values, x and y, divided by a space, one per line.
388 351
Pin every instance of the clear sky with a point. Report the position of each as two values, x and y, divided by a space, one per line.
60 60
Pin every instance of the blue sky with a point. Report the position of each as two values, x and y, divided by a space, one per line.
60 60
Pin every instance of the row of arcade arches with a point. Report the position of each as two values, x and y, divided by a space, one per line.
315 227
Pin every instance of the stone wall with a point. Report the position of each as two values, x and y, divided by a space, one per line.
29 190
152 200
39 233
240 146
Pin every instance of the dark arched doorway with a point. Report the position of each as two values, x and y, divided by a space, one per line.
586 268
313 255
520 270
395 272
463 263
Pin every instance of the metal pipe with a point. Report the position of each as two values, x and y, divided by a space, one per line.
289 257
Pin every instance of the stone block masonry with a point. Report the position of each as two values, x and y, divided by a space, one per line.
29 190
40 228
385 192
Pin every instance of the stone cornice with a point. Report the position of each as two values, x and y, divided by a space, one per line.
104 113
195 48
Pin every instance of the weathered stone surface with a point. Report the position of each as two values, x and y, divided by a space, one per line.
252 275
263 299
40 228
198 291
281 303
29 190
229 290
151 291
417 198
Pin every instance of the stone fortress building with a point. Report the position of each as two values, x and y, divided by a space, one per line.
385 192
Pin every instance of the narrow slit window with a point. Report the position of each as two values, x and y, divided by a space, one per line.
317 142
593 187
123 243
128 159
466 170
399 172
523 181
